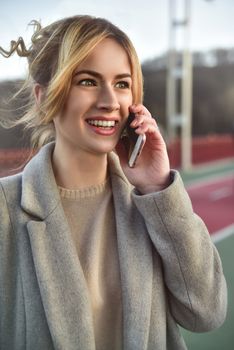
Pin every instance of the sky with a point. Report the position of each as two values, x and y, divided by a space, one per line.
146 22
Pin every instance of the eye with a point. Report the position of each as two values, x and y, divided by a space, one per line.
87 82
123 84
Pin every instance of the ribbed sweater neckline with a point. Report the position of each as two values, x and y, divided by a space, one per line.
85 192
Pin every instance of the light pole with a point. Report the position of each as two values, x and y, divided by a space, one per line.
179 82
186 96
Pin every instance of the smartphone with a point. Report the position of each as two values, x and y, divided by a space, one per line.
135 142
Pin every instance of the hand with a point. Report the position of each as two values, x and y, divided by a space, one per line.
152 170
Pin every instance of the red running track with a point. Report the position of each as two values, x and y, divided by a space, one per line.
213 201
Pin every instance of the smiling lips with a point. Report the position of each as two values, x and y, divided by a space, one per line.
107 124
103 126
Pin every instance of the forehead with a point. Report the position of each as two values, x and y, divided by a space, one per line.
107 56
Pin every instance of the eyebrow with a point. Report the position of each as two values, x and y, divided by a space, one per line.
99 76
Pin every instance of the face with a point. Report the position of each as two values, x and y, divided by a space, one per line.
98 102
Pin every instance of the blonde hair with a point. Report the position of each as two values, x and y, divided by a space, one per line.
54 55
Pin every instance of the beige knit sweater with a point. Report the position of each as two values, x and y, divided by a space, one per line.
90 214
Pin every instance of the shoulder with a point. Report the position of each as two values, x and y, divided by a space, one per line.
10 194
10 185
9 197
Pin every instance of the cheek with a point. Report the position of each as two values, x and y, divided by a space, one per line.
72 108
79 103
126 99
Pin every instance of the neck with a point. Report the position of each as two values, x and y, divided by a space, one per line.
76 170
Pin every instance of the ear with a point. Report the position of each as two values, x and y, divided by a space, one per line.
38 91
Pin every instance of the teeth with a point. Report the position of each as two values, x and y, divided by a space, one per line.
102 123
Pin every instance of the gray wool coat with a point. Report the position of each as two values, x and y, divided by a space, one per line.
170 271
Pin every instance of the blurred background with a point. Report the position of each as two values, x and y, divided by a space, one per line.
186 48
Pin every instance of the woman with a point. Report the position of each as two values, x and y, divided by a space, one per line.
95 254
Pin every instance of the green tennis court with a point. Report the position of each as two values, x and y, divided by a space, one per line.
223 338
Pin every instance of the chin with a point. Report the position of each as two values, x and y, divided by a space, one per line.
105 148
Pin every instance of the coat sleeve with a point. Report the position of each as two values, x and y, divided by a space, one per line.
192 267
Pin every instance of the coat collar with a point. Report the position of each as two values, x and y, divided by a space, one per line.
57 265
40 195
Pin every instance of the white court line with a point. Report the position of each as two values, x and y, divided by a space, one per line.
221 193
222 234
209 180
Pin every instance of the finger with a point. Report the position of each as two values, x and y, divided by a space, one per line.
139 109
148 125
140 119
145 129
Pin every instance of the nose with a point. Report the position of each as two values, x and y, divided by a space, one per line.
107 99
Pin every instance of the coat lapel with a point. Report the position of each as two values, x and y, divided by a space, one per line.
135 263
62 284
59 274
